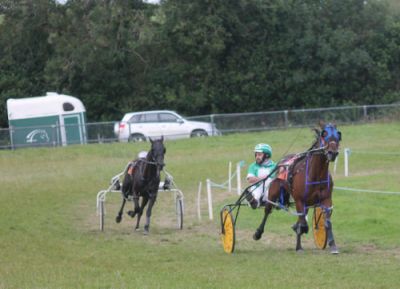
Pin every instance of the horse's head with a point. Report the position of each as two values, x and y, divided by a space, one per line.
157 152
329 138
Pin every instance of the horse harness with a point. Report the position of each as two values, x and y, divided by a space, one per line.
135 163
289 168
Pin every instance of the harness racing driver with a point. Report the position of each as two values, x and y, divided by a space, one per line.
257 171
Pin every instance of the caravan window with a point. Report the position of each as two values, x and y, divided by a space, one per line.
68 106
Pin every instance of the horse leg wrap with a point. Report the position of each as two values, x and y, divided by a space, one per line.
328 228
147 226
328 225
300 228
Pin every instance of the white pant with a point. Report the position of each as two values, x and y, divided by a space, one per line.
260 193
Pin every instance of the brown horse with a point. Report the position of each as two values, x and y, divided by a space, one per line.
309 183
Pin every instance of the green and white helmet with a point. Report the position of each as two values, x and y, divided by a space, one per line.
263 148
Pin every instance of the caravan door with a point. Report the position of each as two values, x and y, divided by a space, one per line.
74 129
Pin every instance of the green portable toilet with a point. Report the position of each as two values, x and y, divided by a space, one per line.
51 120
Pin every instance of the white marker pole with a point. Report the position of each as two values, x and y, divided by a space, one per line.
198 201
210 209
346 162
334 167
239 185
229 177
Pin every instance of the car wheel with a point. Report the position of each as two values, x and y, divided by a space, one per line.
198 133
137 137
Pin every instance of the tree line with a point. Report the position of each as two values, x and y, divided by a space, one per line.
200 56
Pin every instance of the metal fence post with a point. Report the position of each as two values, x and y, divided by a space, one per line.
286 118
212 124
11 137
365 111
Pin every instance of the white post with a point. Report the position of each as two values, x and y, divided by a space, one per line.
229 177
239 185
346 161
210 210
198 201
334 167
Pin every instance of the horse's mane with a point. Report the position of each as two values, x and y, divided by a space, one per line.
316 140
300 157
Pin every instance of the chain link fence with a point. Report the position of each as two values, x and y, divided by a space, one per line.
245 122
103 132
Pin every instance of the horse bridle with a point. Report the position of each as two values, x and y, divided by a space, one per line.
159 166
321 144
330 135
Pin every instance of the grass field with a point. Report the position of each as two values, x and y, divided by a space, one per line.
50 238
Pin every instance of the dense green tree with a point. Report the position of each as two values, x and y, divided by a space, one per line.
194 38
200 56
24 50
100 55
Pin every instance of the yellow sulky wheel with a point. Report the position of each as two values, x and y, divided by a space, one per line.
318 225
228 231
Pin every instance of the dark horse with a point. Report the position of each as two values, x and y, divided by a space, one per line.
309 183
142 179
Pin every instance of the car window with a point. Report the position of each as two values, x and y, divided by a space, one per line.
150 117
135 118
167 117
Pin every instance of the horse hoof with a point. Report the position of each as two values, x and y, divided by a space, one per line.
300 251
334 251
257 235
118 219
131 214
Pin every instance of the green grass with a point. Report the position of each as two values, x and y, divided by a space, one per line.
50 238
